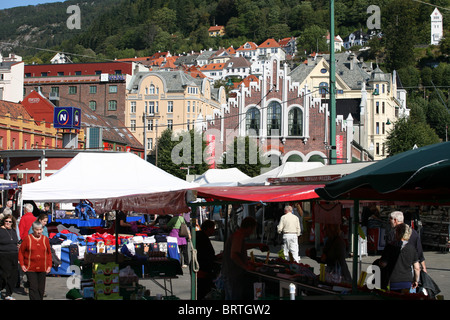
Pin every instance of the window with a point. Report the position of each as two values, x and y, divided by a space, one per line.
295 122
72 89
151 105
152 89
274 118
323 88
112 89
112 105
189 125
55 91
170 124
377 107
193 106
133 125
93 105
252 120
78 73
44 74
192 90
382 107
133 107
170 106
92 89
377 128
60 73
188 106
150 143
150 125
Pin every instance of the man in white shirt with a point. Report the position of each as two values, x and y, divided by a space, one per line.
289 226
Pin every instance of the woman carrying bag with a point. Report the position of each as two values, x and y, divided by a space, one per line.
175 225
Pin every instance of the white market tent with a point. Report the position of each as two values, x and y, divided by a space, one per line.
287 168
321 174
112 179
221 177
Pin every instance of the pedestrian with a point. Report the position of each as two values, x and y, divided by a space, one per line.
235 261
206 257
289 226
43 219
26 220
334 252
8 205
35 257
392 249
174 226
402 279
9 244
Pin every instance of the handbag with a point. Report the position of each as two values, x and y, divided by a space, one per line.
184 230
333 274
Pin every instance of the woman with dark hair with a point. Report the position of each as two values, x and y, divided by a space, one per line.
9 243
235 260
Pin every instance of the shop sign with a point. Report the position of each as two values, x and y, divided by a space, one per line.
67 118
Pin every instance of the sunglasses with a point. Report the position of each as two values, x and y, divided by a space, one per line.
8 221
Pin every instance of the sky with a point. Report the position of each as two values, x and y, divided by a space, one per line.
4 4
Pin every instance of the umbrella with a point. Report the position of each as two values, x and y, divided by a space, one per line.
6 184
416 175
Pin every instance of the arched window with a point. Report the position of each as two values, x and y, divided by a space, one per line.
274 118
295 122
323 88
252 121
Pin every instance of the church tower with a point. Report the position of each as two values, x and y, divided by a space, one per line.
437 30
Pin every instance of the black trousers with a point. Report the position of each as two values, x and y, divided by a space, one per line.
8 272
37 285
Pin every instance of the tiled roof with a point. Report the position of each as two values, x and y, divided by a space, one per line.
212 67
269 43
14 109
248 46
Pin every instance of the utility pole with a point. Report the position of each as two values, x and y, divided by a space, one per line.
332 89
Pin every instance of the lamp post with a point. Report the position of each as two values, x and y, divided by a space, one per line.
332 89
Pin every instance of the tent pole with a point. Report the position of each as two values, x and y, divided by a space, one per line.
355 245
194 246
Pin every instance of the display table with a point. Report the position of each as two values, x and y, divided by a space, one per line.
157 270
83 223
284 285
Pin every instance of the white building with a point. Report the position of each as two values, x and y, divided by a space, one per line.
437 29
11 78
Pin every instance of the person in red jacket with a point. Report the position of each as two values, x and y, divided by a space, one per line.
26 221
35 257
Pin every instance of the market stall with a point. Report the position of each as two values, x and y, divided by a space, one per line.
113 182
418 176
249 194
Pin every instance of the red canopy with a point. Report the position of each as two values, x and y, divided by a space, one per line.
259 193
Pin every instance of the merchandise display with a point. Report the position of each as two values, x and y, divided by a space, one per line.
107 275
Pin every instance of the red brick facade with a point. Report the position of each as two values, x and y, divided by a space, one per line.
276 85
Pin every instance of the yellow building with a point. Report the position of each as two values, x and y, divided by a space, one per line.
216 31
370 96
158 100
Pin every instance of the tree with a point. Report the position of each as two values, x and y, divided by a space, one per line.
183 149
407 134
400 30
313 40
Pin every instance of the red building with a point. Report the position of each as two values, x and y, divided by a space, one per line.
287 122
98 86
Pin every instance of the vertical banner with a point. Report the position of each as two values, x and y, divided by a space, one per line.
211 151
340 149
